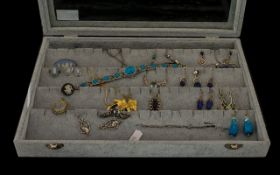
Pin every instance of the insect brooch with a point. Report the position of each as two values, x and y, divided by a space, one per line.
155 103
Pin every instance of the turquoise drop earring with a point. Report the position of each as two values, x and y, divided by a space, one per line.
233 128
248 127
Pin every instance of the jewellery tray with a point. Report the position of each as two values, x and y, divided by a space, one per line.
70 34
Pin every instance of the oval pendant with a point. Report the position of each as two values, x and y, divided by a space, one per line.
68 89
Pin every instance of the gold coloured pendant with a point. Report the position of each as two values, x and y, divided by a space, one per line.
60 107
202 59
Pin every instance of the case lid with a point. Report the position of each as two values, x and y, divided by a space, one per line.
164 18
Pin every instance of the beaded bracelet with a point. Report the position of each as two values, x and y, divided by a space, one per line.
129 72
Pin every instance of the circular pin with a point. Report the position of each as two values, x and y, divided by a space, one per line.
68 89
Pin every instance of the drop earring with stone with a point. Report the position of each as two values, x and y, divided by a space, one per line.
210 102
227 60
196 82
248 127
210 83
200 102
233 128
183 81
202 59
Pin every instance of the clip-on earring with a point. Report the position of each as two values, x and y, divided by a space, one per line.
233 128
200 102
196 82
202 59
248 127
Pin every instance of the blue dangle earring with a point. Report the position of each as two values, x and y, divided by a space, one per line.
210 102
233 128
196 82
248 127
200 102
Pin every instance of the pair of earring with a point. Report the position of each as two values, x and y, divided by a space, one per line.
226 104
197 83
209 102
248 127
154 84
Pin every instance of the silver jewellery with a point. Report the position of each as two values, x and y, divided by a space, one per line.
206 125
120 54
111 124
65 67
226 62
153 84
85 127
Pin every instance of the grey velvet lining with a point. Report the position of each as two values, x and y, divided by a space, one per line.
43 125
178 104
172 98
97 57
231 77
